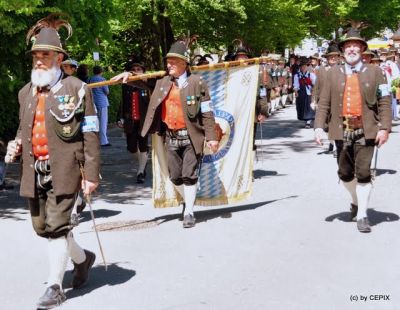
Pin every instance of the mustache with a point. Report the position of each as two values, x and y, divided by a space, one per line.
40 68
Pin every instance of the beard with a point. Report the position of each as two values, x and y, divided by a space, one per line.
43 77
352 58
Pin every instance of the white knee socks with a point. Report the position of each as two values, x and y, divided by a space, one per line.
58 257
179 189
363 190
190 197
351 188
76 253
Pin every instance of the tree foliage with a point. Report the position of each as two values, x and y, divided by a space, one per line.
119 28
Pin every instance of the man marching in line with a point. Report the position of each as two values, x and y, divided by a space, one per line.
332 56
181 104
392 72
58 133
181 110
355 100
132 111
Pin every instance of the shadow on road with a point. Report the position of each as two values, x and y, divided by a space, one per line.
100 213
276 151
201 216
119 170
260 174
99 277
374 217
385 171
279 128
342 216
204 216
12 206
377 217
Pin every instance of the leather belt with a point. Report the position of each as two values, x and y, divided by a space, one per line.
352 123
178 134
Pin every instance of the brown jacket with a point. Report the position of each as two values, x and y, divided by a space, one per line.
320 74
201 126
64 155
376 109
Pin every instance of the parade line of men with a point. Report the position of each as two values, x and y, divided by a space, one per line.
58 138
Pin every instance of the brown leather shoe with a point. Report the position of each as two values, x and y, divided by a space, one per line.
353 212
81 271
363 225
189 221
52 297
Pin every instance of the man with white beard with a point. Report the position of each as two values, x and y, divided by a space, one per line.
355 102
57 135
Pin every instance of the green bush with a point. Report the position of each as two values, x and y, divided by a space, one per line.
114 98
395 84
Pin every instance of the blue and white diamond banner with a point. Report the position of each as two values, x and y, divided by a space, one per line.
225 176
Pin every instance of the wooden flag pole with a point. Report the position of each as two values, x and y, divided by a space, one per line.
228 64
133 78
158 74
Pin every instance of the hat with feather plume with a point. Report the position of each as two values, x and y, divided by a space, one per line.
200 60
44 34
353 33
240 48
180 48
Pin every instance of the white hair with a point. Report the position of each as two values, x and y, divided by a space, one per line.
43 77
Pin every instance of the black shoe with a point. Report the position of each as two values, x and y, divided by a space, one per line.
140 178
330 148
52 297
189 221
81 271
80 208
106 145
363 225
353 212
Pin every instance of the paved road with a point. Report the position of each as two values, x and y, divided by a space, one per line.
289 246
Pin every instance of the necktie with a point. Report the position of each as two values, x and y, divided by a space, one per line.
353 70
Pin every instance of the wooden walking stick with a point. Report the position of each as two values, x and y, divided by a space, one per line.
375 163
87 197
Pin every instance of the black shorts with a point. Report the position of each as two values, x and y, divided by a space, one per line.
134 140
51 214
355 161
182 162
